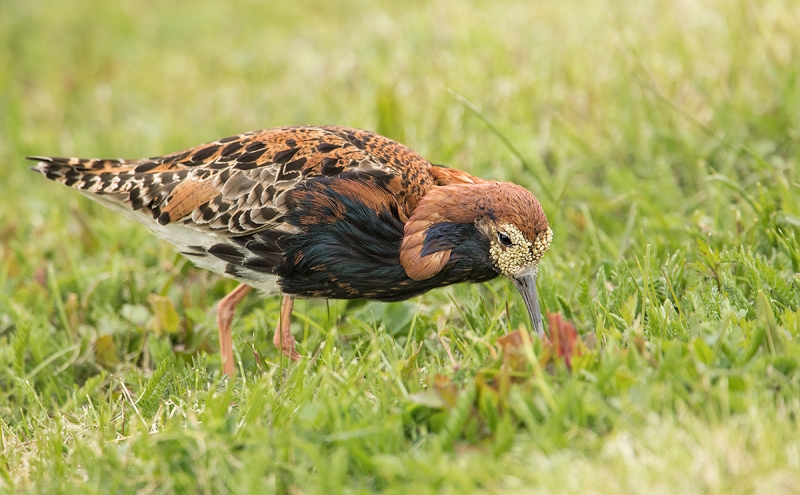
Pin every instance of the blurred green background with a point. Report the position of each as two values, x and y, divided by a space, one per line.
660 136
609 104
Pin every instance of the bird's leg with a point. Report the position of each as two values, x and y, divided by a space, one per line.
283 339
225 312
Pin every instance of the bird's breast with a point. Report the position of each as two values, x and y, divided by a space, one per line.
341 238
343 241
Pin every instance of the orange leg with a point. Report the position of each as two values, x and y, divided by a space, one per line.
283 339
225 311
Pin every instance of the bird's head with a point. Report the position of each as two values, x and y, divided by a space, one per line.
491 227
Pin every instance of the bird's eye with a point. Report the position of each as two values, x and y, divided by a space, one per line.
504 239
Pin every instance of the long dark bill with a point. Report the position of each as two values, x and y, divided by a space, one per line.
526 285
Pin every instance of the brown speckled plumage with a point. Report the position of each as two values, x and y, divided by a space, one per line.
319 212
238 184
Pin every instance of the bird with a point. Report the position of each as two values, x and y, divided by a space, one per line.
321 212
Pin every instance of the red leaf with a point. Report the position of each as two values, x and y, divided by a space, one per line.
564 338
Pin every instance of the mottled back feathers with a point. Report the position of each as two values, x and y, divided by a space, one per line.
239 184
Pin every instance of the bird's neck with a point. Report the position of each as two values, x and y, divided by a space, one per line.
443 220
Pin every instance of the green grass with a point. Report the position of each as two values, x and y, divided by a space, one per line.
661 138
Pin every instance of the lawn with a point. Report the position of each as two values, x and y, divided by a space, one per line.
661 138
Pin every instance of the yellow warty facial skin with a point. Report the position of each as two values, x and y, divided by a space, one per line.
522 254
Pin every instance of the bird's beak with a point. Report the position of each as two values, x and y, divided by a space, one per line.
525 283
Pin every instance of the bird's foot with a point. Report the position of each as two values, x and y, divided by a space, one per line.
286 344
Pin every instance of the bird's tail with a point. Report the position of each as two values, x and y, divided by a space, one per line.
112 179
80 173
